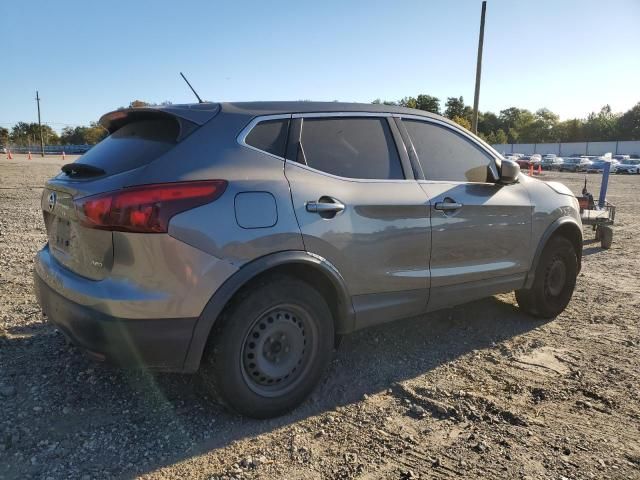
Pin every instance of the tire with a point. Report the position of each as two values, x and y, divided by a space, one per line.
270 349
554 281
606 237
596 233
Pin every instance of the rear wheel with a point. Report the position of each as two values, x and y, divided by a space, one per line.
270 349
555 279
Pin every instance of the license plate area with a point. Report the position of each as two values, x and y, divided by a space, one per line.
60 236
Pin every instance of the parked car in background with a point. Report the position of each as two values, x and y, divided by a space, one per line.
628 166
575 164
3 149
524 161
622 158
551 162
597 166
243 239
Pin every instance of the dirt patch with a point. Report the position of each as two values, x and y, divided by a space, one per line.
477 391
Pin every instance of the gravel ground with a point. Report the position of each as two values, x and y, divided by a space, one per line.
477 391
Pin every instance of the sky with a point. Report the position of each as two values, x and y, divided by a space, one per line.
87 58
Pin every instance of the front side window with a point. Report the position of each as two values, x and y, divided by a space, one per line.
352 147
269 136
447 156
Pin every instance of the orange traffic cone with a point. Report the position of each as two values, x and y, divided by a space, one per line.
63 155
29 157
531 169
9 156
539 169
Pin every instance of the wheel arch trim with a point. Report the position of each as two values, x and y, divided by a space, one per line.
560 223
216 304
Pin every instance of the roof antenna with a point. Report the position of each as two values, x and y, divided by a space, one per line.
192 89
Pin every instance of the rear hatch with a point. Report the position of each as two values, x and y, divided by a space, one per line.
137 138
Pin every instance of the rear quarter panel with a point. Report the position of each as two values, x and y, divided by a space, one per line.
212 152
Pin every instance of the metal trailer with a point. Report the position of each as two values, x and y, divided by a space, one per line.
601 215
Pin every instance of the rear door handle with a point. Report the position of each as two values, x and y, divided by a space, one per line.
325 207
448 205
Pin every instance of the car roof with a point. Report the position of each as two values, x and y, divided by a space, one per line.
272 108
201 112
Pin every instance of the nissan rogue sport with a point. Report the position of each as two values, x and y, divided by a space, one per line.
243 239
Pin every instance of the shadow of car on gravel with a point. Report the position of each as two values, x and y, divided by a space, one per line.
124 423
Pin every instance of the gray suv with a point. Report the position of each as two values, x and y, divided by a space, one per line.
243 239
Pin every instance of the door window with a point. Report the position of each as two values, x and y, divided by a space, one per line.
446 155
352 147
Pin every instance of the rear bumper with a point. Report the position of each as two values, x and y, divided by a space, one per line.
159 344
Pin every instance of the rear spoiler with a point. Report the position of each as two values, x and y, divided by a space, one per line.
196 114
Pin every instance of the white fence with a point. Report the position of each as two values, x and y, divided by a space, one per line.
566 149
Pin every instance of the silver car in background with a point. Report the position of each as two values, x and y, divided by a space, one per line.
243 239
575 164
628 166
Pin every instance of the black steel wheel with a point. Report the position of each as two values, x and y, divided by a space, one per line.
554 281
277 350
269 348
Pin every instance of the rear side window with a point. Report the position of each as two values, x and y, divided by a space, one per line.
270 136
446 155
133 145
351 147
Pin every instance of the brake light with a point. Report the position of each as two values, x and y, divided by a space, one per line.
147 208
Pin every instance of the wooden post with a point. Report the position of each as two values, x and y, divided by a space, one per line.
476 95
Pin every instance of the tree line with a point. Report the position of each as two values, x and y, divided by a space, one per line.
519 125
511 125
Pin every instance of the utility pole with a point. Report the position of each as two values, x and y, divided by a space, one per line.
476 96
40 126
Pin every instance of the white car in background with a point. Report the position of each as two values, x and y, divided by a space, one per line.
627 166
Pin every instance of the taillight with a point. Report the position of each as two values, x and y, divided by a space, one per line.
147 208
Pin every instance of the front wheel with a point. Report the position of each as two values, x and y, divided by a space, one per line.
270 349
554 281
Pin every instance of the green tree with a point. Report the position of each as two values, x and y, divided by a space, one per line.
488 122
454 107
463 122
428 103
408 102
499 137
514 121
629 124
601 126
570 130
540 128
28 134
4 136
82 135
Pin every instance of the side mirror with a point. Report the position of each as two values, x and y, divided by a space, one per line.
509 172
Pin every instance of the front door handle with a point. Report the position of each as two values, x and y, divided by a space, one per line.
448 205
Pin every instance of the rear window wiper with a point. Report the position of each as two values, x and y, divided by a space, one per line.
77 170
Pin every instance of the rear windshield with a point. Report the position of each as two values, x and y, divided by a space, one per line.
134 145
